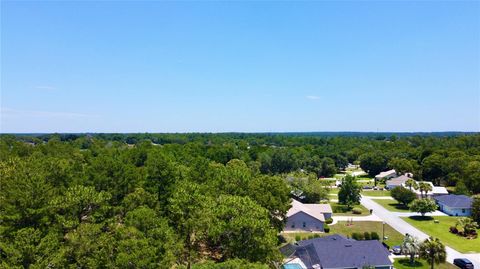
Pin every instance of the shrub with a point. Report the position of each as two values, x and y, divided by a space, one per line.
374 236
403 195
311 236
453 230
317 235
366 235
357 210
358 236
326 228
329 221
355 236
298 237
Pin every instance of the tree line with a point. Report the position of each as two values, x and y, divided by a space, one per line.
186 200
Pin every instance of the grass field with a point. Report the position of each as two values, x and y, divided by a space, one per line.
441 231
375 193
363 178
341 210
403 263
394 237
391 205
334 190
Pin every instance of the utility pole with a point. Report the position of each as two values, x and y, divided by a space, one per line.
383 233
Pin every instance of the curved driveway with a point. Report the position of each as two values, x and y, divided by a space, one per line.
403 227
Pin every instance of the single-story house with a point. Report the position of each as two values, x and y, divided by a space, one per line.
336 251
455 205
307 217
386 175
396 182
436 190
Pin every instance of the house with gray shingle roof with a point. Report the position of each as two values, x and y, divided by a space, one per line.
396 182
336 251
455 205
307 217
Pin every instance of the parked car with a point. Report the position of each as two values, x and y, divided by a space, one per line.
367 187
463 263
397 250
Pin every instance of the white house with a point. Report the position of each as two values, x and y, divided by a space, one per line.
436 190
386 175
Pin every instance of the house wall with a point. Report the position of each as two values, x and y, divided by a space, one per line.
455 211
391 186
297 220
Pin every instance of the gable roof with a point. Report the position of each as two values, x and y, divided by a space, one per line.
397 181
386 173
336 251
314 210
457 201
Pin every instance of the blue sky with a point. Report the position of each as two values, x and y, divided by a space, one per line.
239 66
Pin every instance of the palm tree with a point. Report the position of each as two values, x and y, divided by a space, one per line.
424 187
433 251
467 226
411 184
411 247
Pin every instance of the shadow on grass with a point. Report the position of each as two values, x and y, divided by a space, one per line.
421 218
399 206
338 208
406 263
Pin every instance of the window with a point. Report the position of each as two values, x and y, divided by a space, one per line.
304 224
293 225
463 210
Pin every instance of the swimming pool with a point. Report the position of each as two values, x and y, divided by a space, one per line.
292 266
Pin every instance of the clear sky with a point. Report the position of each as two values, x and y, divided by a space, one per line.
240 66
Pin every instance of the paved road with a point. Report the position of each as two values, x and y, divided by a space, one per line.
403 227
409 214
371 217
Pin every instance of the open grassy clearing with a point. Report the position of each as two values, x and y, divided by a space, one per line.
393 237
375 193
441 231
334 190
342 210
391 205
404 263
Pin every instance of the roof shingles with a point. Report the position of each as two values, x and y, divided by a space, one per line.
455 201
336 251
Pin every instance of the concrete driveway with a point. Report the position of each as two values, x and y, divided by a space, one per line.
403 227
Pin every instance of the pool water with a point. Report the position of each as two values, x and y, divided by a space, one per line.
292 266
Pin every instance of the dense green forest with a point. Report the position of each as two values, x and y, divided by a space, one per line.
186 200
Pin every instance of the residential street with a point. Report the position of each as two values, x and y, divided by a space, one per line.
403 227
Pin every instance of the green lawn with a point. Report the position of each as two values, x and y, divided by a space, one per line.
394 237
363 178
391 205
375 193
441 231
402 263
342 210
334 190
